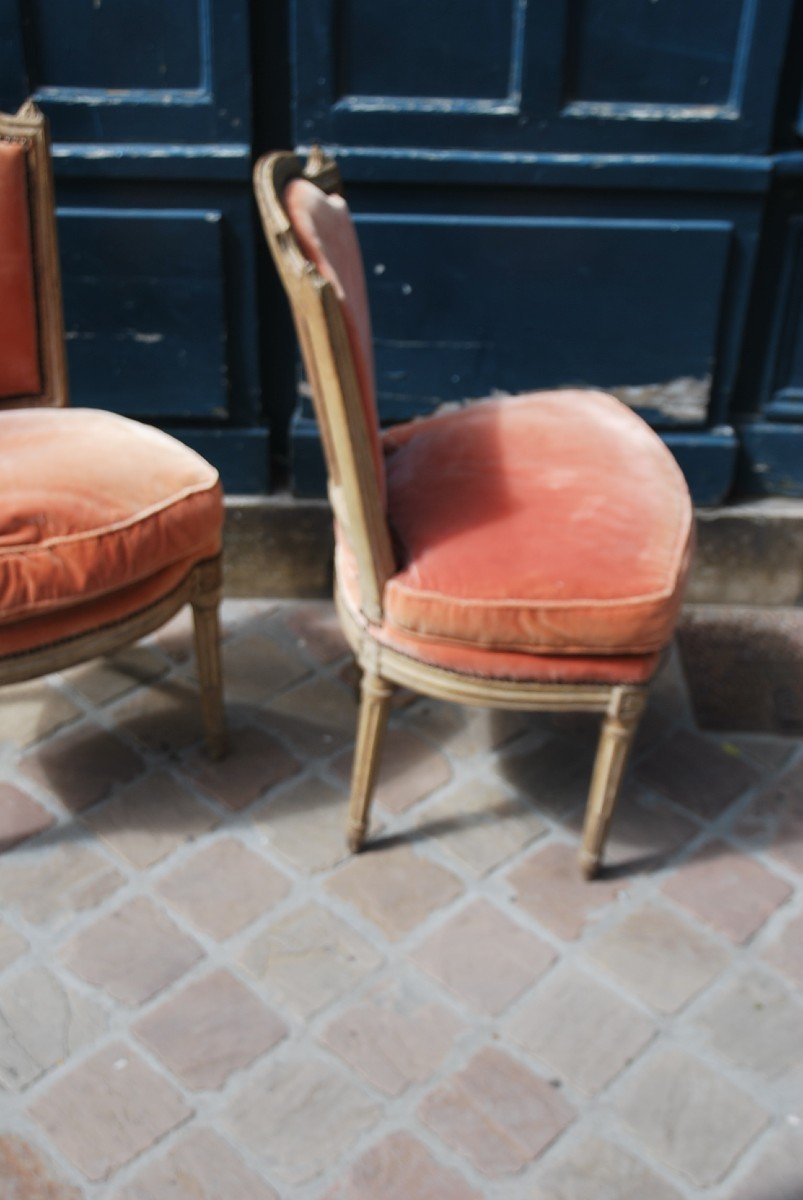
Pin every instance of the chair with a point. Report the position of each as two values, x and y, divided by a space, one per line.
108 527
524 553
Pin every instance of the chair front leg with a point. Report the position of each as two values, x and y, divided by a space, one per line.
616 737
205 610
375 693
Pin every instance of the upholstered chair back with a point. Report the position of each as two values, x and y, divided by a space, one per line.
32 367
325 233
313 242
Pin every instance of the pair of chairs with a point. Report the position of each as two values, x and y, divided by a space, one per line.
526 553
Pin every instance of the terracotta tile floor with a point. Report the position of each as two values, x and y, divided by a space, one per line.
201 996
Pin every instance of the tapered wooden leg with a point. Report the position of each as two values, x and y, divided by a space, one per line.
375 695
205 607
616 737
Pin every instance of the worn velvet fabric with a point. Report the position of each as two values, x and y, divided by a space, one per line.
19 354
544 537
62 624
492 664
550 523
325 233
94 507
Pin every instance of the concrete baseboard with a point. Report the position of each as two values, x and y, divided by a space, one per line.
749 553
744 667
277 546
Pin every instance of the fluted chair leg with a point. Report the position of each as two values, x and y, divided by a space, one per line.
205 609
375 695
616 738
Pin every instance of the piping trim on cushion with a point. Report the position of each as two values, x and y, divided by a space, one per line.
88 535
74 637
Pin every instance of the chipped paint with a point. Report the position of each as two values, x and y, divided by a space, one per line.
111 97
613 110
145 150
509 106
145 339
428 344
684 399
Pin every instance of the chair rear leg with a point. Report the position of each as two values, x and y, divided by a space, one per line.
616 737
375 695
205 611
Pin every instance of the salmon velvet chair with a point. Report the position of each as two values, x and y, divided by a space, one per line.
526 552
107 527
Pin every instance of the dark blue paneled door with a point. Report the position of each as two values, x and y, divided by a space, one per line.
556 192
561 75
150 109
548 193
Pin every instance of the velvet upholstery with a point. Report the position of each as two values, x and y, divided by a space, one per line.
482 663
552 523
63 624
94 505
325 233
20 373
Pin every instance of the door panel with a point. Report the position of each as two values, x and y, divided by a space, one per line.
146 326
555 75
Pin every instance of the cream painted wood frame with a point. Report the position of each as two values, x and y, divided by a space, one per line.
202 586
358 509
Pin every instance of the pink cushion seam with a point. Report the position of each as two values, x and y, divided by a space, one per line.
107 530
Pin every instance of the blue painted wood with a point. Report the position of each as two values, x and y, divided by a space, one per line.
468 305
309 468
768 403
151 70
771 460
242 456
646 172
13 77
160 307
570 75
153 160
144 310
595 181
388 50
629 51
782 393
150 109
708 460
72 43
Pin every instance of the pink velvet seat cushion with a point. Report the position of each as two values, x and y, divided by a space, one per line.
552 523
93 504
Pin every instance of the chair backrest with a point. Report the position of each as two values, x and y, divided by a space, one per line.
315 249
32 363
